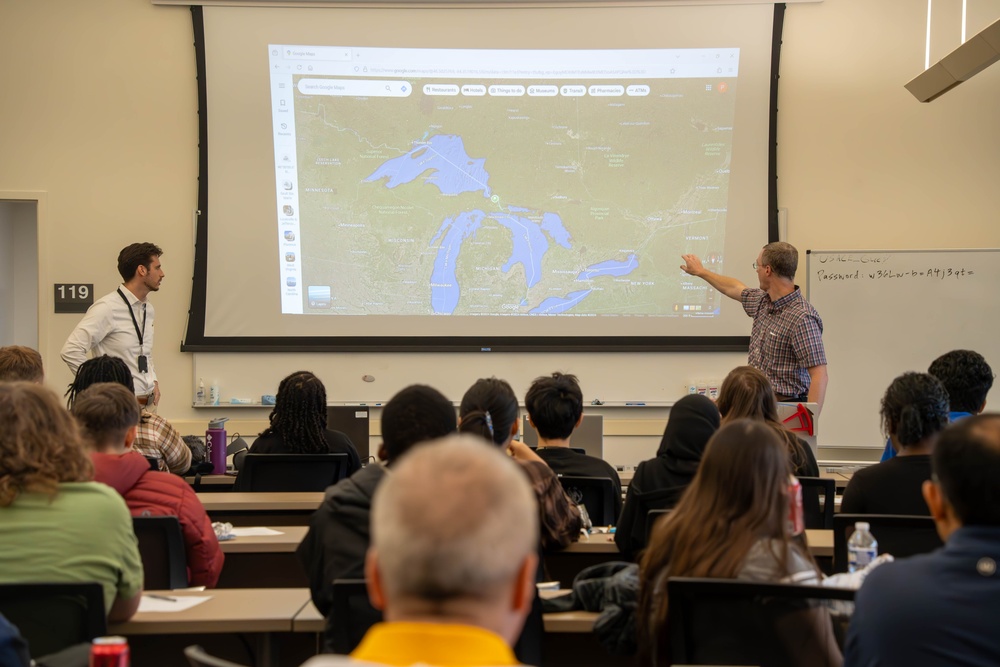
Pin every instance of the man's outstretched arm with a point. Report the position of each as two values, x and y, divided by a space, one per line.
731 287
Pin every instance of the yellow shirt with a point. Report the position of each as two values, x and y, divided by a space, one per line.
405 644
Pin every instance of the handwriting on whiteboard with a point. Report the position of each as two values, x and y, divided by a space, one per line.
869 275
845 258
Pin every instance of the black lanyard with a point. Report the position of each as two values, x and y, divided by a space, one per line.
135 323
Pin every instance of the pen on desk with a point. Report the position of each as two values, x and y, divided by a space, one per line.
160 597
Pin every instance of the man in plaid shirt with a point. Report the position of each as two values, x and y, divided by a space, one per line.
786 341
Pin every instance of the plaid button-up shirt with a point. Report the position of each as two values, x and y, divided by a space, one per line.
158 439
786 339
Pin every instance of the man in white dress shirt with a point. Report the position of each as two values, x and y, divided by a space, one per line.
120 324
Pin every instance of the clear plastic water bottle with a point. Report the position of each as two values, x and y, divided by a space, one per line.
862 548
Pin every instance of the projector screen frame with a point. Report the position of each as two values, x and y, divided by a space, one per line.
196 340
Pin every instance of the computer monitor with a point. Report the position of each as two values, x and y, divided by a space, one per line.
352 420
589 435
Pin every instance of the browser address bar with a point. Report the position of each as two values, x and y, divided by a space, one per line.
355 87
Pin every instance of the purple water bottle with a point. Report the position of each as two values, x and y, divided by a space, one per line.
215 439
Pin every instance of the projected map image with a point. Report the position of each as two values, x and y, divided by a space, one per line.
514 199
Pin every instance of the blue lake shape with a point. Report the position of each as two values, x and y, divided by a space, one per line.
445 291
530 245
560 304
612 267
553 225
453 171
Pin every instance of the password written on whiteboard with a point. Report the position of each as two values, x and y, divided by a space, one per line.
888 274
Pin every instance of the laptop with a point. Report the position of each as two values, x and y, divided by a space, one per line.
588 436
352 420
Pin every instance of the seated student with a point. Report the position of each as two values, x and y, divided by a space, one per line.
55 524
298 425
732 523
489 409
914 411
19 363
747 394
967 378
338 537
658 483
156 438
452 572
555 409
941 608
109 415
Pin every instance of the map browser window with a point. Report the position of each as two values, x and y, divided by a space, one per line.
500 182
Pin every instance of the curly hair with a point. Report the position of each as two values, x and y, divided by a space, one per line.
135 255
558 516
104 368
489 408
915 407
39 443
966 377
299 414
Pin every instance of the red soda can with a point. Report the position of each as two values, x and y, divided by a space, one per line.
796 518
109 652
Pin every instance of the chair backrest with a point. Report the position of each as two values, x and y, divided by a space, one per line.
292 472
197 657
596 494
350 616
161 547
588 437
52 616
652 516
732 622
898 535
818 495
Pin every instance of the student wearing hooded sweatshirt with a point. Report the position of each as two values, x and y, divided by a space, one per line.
108 414
658 483
339 534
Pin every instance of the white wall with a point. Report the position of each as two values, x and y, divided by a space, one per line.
105 123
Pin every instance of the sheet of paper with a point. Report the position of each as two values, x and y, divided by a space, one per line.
175 603
255 531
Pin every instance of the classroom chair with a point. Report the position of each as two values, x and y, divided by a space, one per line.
161 547
898 535
818 496
197 657
596 494
54 616
350 616
733 622
291 472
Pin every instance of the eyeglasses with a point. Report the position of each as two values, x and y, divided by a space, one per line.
755 266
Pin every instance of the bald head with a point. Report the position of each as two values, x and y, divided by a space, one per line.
966 464
454 527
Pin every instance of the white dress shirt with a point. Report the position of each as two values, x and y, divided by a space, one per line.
107 328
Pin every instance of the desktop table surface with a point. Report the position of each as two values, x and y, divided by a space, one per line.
287 542
214 502
226 610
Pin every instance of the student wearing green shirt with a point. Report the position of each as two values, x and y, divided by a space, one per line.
55 524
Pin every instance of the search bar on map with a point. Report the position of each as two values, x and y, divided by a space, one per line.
355 87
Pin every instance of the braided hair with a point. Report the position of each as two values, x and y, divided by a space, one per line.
104 368
299 414
915 407
489 408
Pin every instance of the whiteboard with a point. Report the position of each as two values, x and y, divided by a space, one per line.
886 312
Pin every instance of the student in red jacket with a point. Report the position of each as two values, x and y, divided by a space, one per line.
108 415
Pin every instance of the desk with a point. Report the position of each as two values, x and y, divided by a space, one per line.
212 483
263 612
841 478
259 509
266 561
287 542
